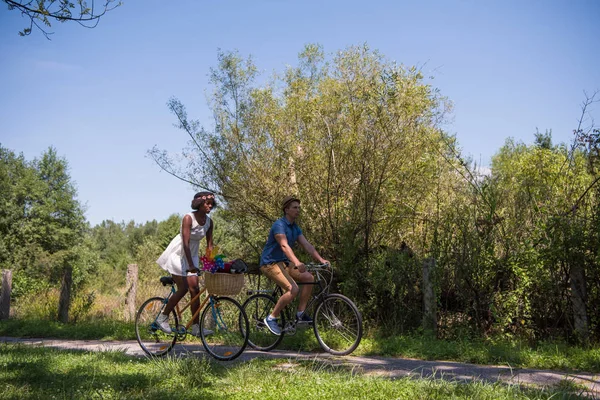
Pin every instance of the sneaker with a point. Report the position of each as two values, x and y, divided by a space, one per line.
305 319
273 326
196 331
163 323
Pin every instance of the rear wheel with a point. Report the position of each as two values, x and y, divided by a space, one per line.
338 325
152 340
257 308
224 328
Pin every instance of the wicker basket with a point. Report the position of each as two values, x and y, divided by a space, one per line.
223 284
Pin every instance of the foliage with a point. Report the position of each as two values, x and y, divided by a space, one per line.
511 246
383 188
44 11
41 221
354 136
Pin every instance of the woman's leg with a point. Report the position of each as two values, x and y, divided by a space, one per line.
192 281
182 288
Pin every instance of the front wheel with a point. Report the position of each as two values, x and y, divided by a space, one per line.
152 340
224 328
257 308
338 325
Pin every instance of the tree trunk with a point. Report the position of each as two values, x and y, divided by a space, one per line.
130 291
578 297
429 301
65 295
5 294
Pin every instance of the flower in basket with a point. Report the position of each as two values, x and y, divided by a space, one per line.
207 264
214 253
220 261
214 261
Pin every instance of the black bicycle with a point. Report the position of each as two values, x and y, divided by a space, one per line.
337 323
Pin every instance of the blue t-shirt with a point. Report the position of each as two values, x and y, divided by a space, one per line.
272 252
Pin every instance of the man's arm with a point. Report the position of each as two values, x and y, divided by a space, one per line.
287 250
310 249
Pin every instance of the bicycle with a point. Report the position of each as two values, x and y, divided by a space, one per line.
224 325
337 323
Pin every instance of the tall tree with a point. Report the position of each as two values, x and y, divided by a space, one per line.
41 220
355 135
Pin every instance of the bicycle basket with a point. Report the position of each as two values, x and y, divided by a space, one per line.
221 284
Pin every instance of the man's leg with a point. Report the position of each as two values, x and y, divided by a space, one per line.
304 277
276 273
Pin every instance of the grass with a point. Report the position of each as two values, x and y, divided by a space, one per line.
101 329
28 372
512 352
515 353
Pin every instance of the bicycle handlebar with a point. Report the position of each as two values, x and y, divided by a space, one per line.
314 266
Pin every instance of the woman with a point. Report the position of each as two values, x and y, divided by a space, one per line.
181 258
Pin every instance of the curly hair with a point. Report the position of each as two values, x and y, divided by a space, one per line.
202 197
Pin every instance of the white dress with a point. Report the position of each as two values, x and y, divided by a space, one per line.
173 259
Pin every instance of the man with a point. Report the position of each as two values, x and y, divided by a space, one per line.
280 264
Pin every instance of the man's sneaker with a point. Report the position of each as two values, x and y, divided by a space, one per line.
196 331
273 326
305 319
163 323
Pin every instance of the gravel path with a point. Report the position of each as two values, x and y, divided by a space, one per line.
381 366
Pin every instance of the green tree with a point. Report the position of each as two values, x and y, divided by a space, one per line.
41 221
356 136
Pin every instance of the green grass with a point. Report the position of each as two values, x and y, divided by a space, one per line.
28 372
102 329
515 353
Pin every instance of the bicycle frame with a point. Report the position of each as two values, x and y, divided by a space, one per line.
323 283
181 309
223 314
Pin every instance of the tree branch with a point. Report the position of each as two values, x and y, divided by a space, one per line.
61 13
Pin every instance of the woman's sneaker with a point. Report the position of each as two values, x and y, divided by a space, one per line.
196 331
163 323
273 326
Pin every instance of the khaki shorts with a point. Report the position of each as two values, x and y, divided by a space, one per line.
284 277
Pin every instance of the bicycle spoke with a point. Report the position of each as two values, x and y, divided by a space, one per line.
224 328
152 340
338 325
257 308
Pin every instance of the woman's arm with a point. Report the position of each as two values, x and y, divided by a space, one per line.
209 239
186 227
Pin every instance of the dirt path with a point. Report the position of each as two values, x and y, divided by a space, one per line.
380 366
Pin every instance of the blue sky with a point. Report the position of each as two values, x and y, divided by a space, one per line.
99 95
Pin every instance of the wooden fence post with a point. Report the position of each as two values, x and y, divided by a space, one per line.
64 301
429 301
5 293
130 291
